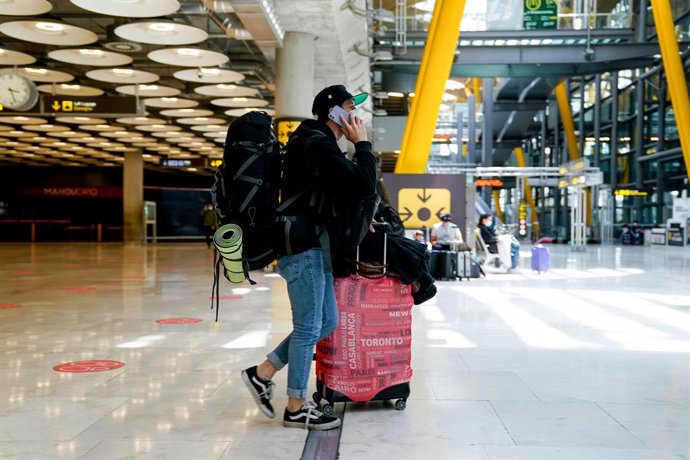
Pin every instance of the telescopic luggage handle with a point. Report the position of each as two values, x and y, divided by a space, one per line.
384 267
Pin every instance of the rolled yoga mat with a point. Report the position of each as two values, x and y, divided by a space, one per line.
228 241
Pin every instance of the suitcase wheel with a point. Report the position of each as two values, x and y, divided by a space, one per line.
327 409
400 404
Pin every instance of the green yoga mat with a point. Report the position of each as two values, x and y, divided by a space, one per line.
228 241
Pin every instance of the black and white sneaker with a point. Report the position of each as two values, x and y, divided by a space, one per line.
309 418
261 389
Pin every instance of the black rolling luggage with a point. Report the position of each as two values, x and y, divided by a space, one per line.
443 265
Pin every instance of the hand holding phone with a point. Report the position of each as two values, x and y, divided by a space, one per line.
335 113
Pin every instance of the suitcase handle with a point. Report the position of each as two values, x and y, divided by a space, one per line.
383 267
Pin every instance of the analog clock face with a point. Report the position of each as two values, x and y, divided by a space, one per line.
17 92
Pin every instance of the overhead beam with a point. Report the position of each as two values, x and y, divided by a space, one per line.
433 73
540 55
675 74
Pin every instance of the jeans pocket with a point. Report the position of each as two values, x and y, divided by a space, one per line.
288 268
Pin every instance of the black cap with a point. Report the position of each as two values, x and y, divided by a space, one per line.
332 96
446 217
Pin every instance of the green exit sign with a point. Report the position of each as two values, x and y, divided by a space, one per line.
540 14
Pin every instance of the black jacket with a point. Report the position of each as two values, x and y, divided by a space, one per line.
327 180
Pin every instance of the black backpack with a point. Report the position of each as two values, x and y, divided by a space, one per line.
246 186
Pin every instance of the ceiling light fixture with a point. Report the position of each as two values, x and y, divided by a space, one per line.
126 72
90 52
50 26
188 52
38 71
161 27
169 99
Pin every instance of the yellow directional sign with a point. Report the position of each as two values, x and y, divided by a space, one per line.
422 207
286 127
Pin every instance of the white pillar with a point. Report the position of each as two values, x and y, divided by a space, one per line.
295 76
133 197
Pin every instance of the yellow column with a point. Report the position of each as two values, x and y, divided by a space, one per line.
675 74
520 157
567 120
570 138
497 203
437 61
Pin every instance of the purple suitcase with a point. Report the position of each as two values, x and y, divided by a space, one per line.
540 258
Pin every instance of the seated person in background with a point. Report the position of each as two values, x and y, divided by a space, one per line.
501 245
637 232
626 234
419 236
486 230
445 234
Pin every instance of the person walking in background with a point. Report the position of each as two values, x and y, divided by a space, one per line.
210 222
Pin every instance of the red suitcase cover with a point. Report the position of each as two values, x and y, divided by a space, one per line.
369 351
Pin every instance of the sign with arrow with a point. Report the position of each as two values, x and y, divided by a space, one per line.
419 208
103 106
421 198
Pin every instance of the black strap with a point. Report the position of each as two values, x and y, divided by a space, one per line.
248 161
215 288
325 241
283 206
249 197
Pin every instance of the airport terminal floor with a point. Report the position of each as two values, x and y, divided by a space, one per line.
589 360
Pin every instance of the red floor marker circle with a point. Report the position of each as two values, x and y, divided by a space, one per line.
97 365
179 320
228 297
8 306
79 289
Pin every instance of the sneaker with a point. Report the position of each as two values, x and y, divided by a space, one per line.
309 418
261 389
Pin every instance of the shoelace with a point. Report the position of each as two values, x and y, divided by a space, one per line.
268 392
311 409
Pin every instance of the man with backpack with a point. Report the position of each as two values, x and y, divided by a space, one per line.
318 188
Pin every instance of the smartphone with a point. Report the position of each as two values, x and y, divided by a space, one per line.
334 115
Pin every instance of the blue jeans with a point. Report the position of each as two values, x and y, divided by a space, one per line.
314 316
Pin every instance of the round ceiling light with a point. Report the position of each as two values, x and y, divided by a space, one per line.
9 57
189 113
212 75
66 89
46 127
71 135
122 75
17 133
240 102
141 121
48 33
91 57
170 103
188 57
216 127
130 8
148 90
24 7
41 75
205 121
81 120
158 128
161 33
102 128
240 112
21 120
226 90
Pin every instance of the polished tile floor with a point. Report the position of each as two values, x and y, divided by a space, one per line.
588 361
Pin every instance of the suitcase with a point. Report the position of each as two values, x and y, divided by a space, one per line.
443 265
467 266
367 357
540 258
